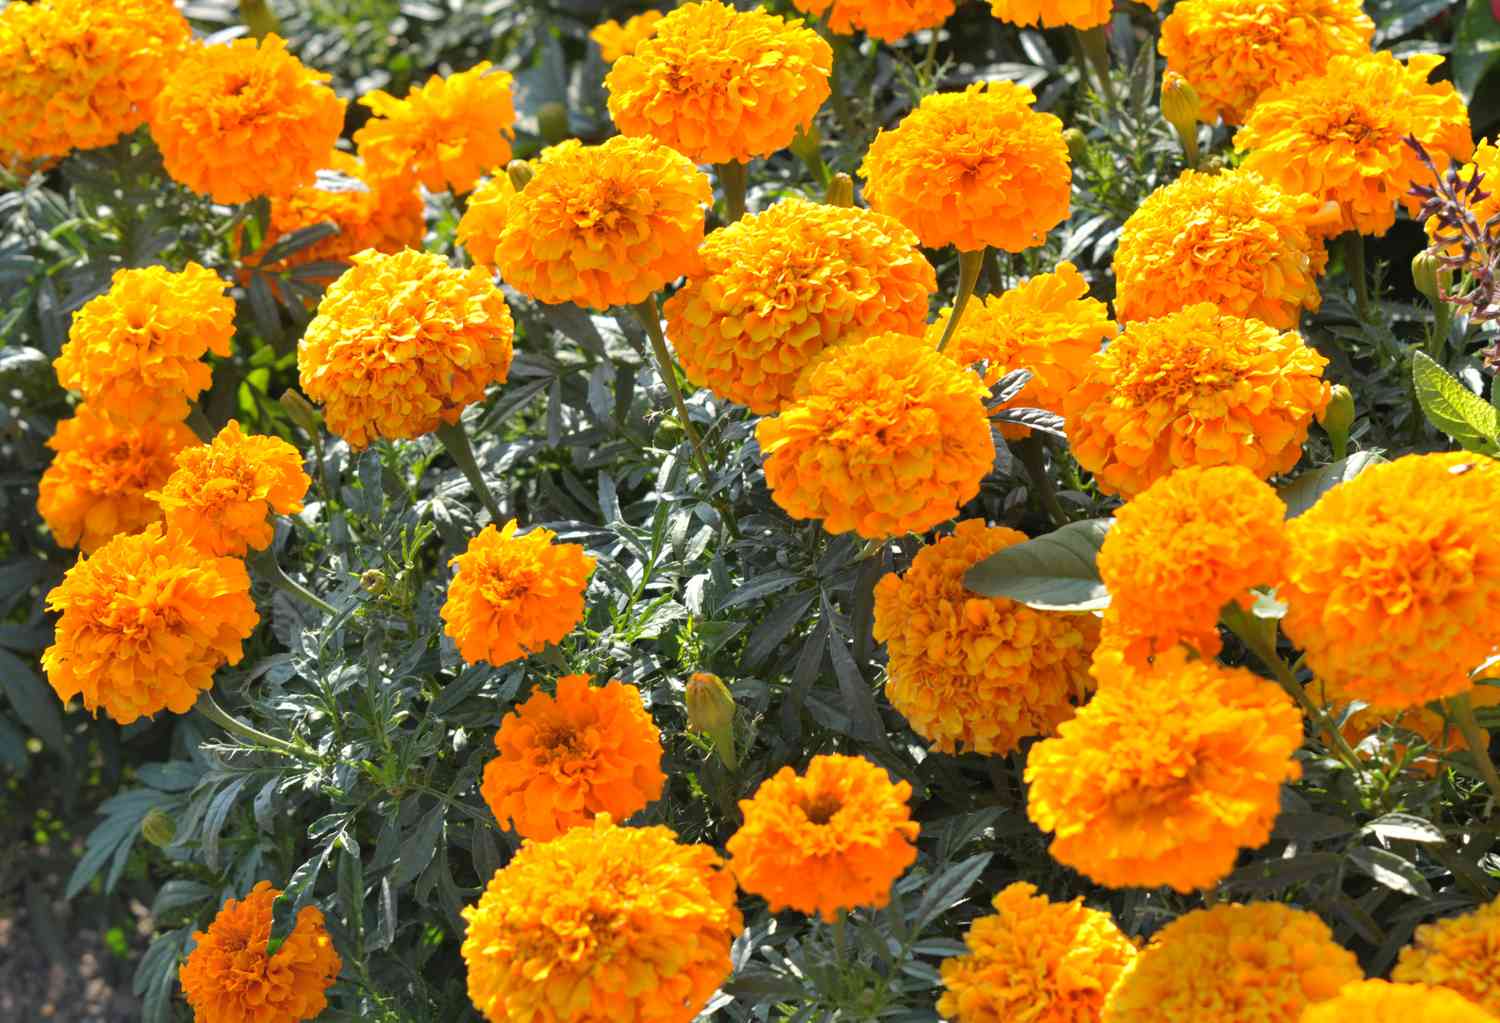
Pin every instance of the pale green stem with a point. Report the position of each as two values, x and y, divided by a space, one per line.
455 441
969 264
265 562
209 708
1462 709
733 179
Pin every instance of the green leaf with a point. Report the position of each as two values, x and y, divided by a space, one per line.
1055 572
1454 409
33 700
1386 868
1405 827
1303 492
1476 47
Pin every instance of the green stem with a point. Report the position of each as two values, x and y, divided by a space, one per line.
841 108
1190 145
1094 45
650 318
840 938
969 264
994 279
1029 451
455 441
1354 259
1462 709
1437 342
209 708
733 179
265 562
930 58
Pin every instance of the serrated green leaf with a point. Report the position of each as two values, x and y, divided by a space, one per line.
1055 572
1454 409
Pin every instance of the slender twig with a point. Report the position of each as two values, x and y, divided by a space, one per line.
265 562
1029 451
969 264
1462 710
455 441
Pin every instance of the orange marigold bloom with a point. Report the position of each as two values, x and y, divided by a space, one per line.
146 620
245 119
1391 566
779 287
1461 954
1035 960
1045 324
1055 13
1196 387
445 133
402 343
512 595
1230 239
1339 135
616 40
600 925
591 750
977 673
221 493
484 218
96 485
136 351
1231 51
78 74
720 85
886 20
973 168
1183 548
1378 1001
882 437
603 225
834 838
228 978
1166 774
1440 736
1261 962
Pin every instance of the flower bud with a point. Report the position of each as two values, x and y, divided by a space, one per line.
552 123
158 828
519 172
1180 106
840 190
1427 274
372 581
1078 144
710 708
1338 417
301 411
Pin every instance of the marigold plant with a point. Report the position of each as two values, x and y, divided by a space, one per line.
778 287
972 169
832 839
882 437
1056 13
616 40
604 923
229 978
977 673
887 20
1461 954
1378 1001
1035 960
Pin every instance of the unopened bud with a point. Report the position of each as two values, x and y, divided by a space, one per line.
372 581
301 412
1077 143
1338 417
840 190
552 122
710 708
519 172
1427 275
1180 105
158 828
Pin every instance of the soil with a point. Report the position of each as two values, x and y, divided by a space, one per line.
89 983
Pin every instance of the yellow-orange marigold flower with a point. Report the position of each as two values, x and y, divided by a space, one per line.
1181 550
1045 324
402 343
1439 735
136 351
603 225
512 595
1195 387
445 133
778 287
834 838
1391 566
1231 239
244 119
1378 1001
1461 954
590 750
484 218
220 495
1055 13
973 168
1339 135
616 40
600 925
96 484
78 74
1261 962
228 978
977 673
719 84
1166 774
1035 960
1231 51
887 20
882 437
146 620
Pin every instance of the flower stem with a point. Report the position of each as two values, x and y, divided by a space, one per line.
1462 709
1093 44
1354 264
650 318
840 939
455 441
1029 451
969 264
265 562
209 708
929 60
733 179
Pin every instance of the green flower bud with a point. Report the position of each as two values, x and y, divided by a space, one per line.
1180 106
301 411
158 828
1078 144
1338 417
552 121
840 190
519 172
710 708
1428 275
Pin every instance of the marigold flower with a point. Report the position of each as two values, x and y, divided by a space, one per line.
562 761
1232 51
1166 774
1393 565
616 40
1035 960
1461 954
1339 135
228 978
779 287
146 620
972 169
402 343
96 484
1440 736
1196 387
136 351
221 493
484 218
1378 1001
882 437
78 74
1056 13
603 923
1045 324
1261 962
512 595
886 20
244 119
1230 239
977 673
720 85
834 838
603 225
445 133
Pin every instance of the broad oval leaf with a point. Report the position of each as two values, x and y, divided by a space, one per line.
1454 409
1055 572
1303 492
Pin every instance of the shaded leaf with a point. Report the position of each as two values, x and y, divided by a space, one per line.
1055 572
1303 492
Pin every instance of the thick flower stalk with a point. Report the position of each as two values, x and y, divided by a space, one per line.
1377 1001
618 40
886 20
1461 954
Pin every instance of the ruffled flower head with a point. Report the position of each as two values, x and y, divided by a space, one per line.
616 40
977 673
1377 1001
973 168
720 85
886 20
1056 13
1461 953
834 838
779 287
